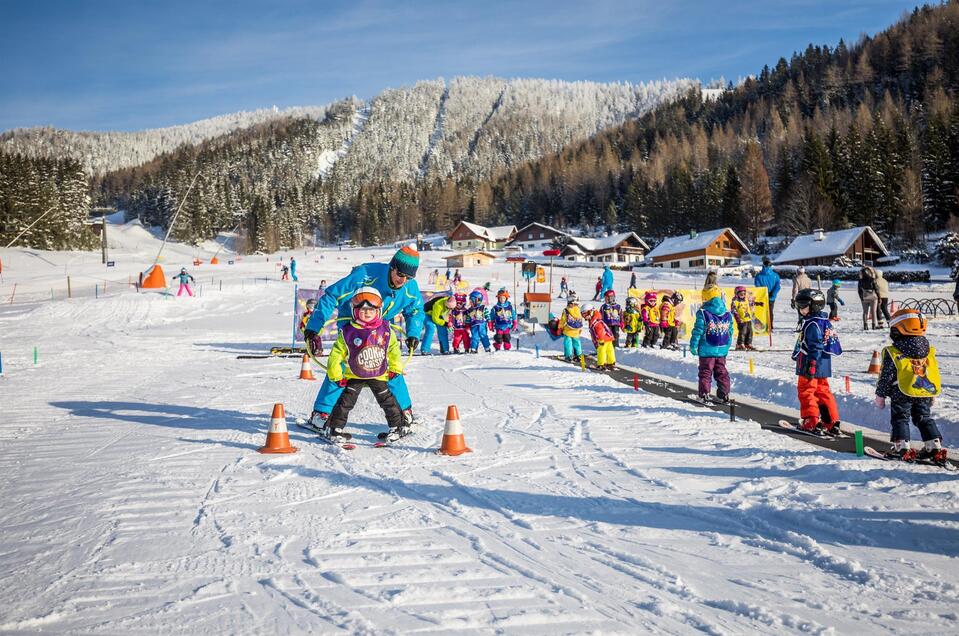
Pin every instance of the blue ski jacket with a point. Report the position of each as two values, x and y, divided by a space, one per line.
770 280
697 340
406 300
607 279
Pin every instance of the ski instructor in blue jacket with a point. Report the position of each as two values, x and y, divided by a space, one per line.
770 280
607 281
401 295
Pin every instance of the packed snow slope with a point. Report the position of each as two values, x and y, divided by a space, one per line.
136 503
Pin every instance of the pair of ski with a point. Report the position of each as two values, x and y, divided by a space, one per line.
872 452
829 437
342 441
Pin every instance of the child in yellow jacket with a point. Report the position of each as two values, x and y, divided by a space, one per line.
743 314
632 322
571 326
366 353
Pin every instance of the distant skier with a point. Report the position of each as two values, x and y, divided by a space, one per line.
833 300
185 280
563 288
504 320
479 321
632 281
650 315
882 291
667 323
632 322
743 313
285 273
817 344
293 269
710 340
322 288
599 288
571 326
602 338
460 323
910 378
612 313
366 354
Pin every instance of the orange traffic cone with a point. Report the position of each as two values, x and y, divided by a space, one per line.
875 365
453 441
214 261
306 371
277 438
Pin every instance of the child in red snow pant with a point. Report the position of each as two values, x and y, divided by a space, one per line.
461 336
186 287
816 400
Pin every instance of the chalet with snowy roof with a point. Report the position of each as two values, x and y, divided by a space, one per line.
859 244
536 236
625 247
699 250
470 259
469 236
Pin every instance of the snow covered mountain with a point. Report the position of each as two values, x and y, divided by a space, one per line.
432 128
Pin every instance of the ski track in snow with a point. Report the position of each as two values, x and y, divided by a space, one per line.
136 501
328 158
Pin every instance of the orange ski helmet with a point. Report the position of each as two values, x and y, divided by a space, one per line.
908 322
366 297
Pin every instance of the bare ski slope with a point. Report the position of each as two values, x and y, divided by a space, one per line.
135 501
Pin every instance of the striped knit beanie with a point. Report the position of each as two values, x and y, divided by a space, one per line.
406 261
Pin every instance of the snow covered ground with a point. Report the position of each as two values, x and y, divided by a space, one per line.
135 501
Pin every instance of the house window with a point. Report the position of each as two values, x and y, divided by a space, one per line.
621 258
542 235
674 264
726 244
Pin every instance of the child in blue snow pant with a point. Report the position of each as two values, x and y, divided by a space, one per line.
572 347
478 334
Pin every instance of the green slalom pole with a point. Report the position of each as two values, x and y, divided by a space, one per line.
35 355
860 451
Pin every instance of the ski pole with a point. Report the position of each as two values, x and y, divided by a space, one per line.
1 364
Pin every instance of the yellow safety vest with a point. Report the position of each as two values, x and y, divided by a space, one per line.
918 377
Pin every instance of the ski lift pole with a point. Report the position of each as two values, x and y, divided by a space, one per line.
293 344
235 228
27 229
175 215
549 303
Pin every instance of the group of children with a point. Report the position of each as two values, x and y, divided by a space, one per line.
470 321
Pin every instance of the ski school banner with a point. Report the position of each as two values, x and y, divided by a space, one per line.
758 298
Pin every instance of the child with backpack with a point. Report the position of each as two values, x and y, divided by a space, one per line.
602 338
667 323
710 340
366 354
571 326
910 379
504 321
815 347
612 313
479 320
459 321
632 322
650 316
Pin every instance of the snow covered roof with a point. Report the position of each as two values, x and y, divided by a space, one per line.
810 246
498 233
692 243
606 242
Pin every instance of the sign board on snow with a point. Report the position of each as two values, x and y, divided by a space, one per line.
111 263
538 307
540 275
229 262
529 270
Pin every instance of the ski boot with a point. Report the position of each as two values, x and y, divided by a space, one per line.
935 456
410 420
318 419
336 436
904 454
833 429
722 399
704 399
814 426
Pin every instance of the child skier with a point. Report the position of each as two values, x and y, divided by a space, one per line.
504 320
459 321
833 300
366 353
910 378
571 325
285 273
650 315
437 306
710 340
602 338
612 314
743 313
632 322
815 347
667 323
185 280
563 288
479 320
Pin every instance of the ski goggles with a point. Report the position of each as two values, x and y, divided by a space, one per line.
365 304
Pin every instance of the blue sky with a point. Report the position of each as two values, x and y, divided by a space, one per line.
109 65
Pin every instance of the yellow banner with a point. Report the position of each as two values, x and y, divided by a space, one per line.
693 299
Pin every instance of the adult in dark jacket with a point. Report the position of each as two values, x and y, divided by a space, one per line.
868 297
770 280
